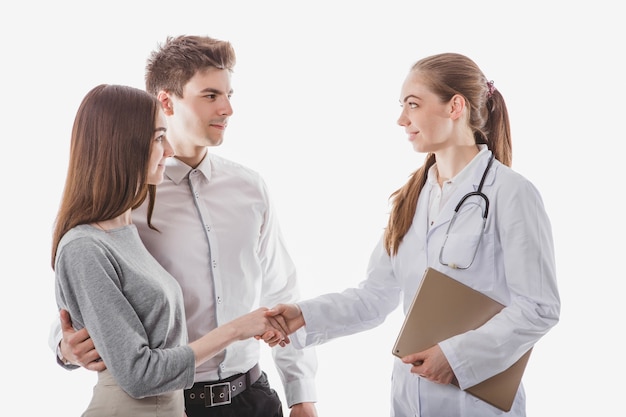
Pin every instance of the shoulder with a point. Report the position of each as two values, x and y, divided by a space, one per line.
235 171
80 244
79 236
513 187
506 176
221 163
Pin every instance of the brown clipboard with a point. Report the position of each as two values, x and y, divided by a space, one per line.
444 307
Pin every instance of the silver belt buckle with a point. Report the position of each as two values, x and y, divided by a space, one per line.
220 390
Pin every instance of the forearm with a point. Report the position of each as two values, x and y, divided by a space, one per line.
214 342
297 369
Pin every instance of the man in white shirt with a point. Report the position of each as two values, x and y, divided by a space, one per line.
218 236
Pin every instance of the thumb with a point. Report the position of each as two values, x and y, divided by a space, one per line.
66 321
274 311
415 359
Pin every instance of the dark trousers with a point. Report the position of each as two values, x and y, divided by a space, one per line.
259 400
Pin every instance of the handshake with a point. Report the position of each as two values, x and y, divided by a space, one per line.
273 326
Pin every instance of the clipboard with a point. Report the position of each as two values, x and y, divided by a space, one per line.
444 307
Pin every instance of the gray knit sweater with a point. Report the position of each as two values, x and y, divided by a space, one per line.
132 307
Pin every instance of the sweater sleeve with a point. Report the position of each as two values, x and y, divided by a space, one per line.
89 286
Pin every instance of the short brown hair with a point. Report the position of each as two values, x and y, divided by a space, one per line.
175 62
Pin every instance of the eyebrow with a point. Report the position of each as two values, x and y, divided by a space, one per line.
409 96
215 91
160 129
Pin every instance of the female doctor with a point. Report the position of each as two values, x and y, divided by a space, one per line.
466 213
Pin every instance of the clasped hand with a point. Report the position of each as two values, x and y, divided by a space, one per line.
431 364
285 319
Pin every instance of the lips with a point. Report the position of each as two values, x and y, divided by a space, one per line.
220 125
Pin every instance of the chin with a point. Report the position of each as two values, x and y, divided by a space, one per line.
418 148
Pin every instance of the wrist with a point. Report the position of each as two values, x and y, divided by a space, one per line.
60 356
300 322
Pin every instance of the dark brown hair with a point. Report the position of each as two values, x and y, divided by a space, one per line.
108 164
448 74
175 62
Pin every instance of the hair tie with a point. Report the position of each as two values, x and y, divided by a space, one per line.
490 89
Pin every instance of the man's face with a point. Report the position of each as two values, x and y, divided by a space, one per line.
199 119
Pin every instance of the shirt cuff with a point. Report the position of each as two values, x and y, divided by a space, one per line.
300 391
64 362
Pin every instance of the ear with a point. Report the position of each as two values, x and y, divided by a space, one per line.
166 102
457 106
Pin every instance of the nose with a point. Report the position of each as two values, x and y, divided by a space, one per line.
227 108
402 120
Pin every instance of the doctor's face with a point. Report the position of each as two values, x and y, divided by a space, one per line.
425 118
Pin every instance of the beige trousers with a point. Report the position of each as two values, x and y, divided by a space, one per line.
109 400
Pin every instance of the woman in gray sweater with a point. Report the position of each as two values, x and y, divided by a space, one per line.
105 277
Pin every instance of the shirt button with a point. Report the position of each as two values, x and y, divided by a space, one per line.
219 300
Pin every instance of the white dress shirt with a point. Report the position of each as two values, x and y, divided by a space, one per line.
219 237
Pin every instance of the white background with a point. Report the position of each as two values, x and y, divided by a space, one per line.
316 102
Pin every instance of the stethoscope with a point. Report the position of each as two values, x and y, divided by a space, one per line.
477 193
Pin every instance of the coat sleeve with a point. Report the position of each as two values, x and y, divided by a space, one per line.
525 279
353 310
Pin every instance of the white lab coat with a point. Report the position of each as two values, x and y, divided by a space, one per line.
514 264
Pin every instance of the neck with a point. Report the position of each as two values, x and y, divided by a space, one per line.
192 157
120 221
452 162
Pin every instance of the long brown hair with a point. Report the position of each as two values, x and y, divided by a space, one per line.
108 164
448 74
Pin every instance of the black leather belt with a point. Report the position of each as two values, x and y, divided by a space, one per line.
214 393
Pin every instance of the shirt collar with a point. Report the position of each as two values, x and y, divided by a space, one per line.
461 176
176 170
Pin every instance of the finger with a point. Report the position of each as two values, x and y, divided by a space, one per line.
278 338
81 336
275 341
283 323
275 311
278 322
90 355
267 336
416 359
96 366
66 321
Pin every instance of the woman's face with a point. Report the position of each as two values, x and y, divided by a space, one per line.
159 151
426 120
